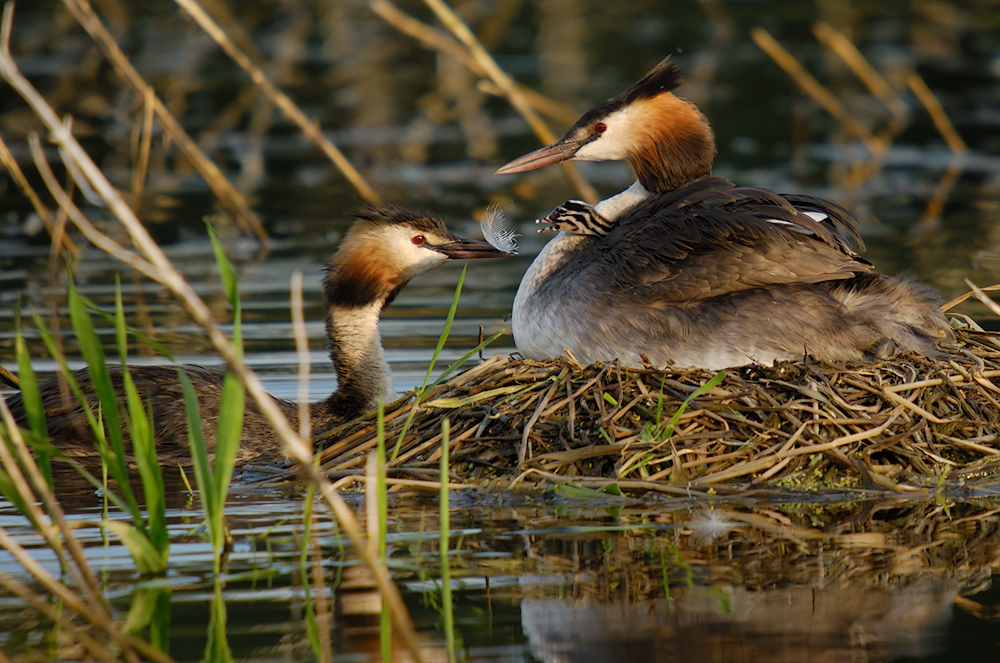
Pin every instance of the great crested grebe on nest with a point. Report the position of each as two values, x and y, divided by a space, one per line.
684 269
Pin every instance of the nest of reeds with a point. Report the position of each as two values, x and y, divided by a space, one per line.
908 423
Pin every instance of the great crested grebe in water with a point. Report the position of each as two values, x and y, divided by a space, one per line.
385 248
685 269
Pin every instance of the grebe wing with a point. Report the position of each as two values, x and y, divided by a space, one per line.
689 250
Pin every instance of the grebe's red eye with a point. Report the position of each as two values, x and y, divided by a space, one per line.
600 128
419 239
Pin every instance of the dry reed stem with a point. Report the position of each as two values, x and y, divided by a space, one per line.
34 491
866 73
522 451
817 91
983 297
44 606
58 237
909 404
423 484
438 41
310 128
142 147
936 111
9 379
162 270
961 298
66 204
302 351
511 91
216 181
935 206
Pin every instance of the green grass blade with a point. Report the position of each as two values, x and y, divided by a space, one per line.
150 608
667 431
381 485
229 426
10 491
100 378
32 400
700 391
93 422
100 486
136 333
159 626
217 647
464 358
143 441
199 451
664 571
447 326
147 557
74 386
229 282
381 493
229 430
312 622
441 341
444 546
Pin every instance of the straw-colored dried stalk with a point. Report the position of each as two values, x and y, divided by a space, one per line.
149 259
907 424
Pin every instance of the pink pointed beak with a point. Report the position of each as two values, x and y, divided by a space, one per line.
469 249
559 151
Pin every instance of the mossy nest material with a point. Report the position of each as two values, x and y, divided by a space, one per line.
908 423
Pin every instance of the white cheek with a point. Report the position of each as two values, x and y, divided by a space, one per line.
613 144
413 259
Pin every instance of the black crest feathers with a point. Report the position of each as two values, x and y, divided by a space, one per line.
664 77
397 214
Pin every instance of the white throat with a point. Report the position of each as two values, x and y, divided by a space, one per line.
534 328
357 353
613 207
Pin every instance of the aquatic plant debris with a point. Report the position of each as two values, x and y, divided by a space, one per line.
495 230
909 424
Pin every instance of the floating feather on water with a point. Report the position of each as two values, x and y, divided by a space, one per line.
709 524
495 229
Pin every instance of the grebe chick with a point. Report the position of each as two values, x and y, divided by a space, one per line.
686 270
385 248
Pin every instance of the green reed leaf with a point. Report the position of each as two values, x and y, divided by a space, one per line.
100 379
140 426
441 341
32 401
148 559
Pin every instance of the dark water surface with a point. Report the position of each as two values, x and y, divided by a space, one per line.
554 579
539 579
